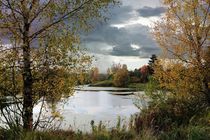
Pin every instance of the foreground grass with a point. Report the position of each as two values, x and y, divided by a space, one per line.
69 135
184 133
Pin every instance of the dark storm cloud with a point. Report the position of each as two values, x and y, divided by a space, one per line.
120 14
109 40
124 50
117 42
150 11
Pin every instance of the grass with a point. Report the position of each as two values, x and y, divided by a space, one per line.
105 83
68 135
109 83
189 132
99 132
138 86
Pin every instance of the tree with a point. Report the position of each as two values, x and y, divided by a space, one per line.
207 64
94 75
135 76
121 77
111 71
115 68
144 73
137 73
42 35
152 60
183 35
151 63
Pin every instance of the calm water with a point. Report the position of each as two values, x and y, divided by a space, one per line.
84 106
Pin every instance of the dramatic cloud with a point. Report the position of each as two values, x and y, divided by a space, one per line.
121 14
150 11
119 41
127 34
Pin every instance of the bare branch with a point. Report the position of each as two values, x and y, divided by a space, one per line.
62 18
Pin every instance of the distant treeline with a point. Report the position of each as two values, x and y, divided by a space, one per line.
118 75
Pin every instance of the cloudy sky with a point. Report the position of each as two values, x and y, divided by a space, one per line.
126 37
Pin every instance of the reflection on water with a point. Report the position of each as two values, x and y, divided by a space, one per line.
84 106
96 102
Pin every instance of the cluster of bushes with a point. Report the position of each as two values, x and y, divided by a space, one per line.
175 120
169 116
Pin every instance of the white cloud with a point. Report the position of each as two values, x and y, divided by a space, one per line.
108 48
136 4
98 47
145 21
135 47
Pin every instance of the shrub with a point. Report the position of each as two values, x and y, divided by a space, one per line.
121 78
163 116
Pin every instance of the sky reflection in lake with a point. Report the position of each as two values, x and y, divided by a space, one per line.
84 106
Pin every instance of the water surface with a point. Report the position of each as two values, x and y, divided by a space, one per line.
84 106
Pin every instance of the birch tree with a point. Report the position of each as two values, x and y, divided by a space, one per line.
184 37
41 37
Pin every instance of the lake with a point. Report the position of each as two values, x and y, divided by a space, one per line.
96 104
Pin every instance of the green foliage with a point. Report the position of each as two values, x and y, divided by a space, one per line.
152 63
138 86
188 133
152 60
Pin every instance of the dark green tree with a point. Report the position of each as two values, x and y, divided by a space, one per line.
151 63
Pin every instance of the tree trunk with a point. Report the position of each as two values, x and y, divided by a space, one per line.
27 83
206 89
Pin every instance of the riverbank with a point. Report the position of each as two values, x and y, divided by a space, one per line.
108 89
109 83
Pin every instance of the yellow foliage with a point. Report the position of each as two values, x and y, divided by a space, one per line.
183 35
121 77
